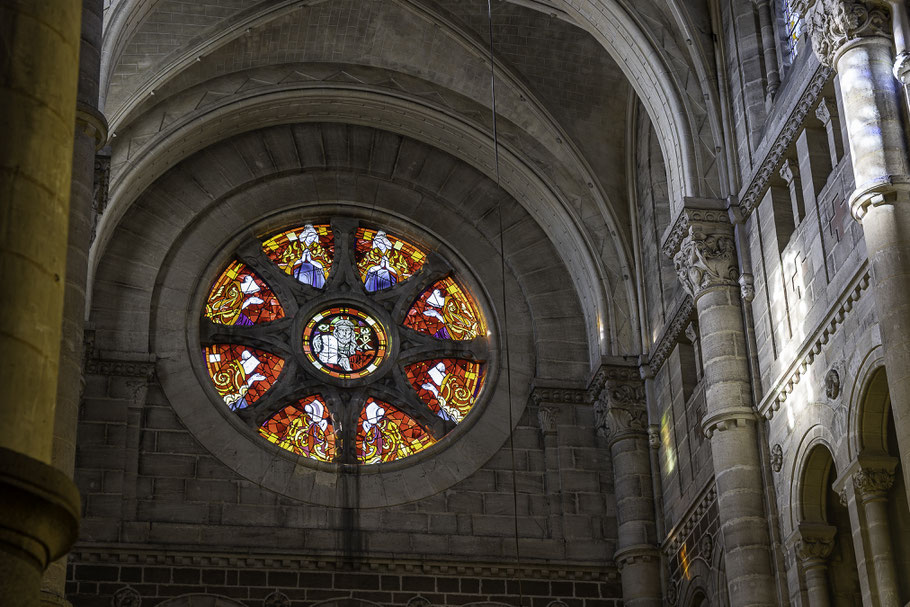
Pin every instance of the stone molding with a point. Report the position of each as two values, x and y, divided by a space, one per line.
116 554
635 554
670 337
91 122
94 364
40 509
881 191
615 371
279 599
689 520
787 381
791 129
727 419
832 25
703 251
813 542
559 396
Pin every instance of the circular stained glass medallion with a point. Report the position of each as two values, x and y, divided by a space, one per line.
344 342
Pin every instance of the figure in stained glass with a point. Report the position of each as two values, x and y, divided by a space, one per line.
384 261
386 434
445 312
794 26
239 297
306 254
241 375
304 428
344 342
449 386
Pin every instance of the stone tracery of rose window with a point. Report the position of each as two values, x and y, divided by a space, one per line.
344 343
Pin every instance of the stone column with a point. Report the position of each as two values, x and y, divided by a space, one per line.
702 248
872 486
547 419
769 48
855 38
40 505
813 543
90 135
621 416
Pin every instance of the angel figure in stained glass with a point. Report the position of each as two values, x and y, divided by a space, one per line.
385 264
308 432
306 258
453 396
228 303
234 379
382 440
456 319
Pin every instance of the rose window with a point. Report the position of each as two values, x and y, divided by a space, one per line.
344 343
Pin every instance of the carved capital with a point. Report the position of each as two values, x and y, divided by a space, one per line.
813 543
703 251
620 409
873 483
833 24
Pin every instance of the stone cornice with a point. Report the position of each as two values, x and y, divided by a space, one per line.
682 316
834 24
695 213
168 556
788 380
544 395
757 186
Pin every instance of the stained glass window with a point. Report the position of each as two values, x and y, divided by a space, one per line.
240 297
241 374
305 253
384 260
386 434
793 23
445 311
339 346
449 386
305 428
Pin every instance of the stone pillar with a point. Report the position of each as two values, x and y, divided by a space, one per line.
621 416
90 136
871 486
40 505
813 543
702 248
854 37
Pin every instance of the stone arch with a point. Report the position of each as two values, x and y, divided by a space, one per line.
201 600
694 590
814 466
869 407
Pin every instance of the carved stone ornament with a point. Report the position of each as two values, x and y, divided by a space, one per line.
546 417
872 482
654 436
747 287
813 542
777 458
831 24
706 547
276 599
672 593
621 410
705 261
832 384
419 601
126 597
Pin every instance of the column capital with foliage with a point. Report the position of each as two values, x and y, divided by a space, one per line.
703 250
833 25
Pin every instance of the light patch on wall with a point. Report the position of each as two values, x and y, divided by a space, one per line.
684 561
666 424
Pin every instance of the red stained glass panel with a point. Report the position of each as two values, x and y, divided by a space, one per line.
240 297
384 260
386 434
306 253
445 311
449 386
241 375
305 428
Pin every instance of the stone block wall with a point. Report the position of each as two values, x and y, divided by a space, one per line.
152 495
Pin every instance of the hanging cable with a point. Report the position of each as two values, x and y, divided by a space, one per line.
505 307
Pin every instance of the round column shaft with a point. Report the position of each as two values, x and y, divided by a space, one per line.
703 251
